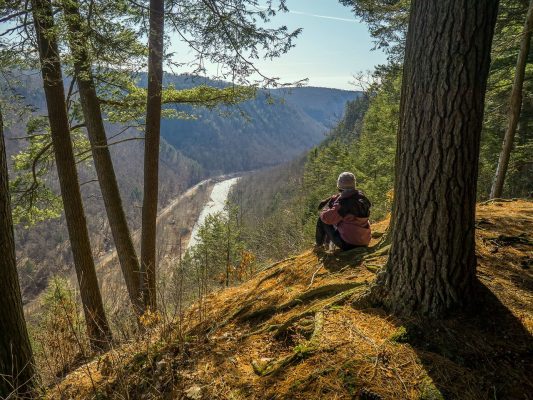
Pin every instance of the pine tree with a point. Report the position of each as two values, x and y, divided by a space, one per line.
16 359
94 122
97 326
151 152
432 263
515 105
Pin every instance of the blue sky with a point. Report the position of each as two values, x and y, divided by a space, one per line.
332 47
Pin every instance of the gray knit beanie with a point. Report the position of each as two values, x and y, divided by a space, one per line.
346 181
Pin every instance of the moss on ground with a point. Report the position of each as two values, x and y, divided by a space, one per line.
351 352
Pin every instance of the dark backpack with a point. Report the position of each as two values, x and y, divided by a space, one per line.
357 205
329 202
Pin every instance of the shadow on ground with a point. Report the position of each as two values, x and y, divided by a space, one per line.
487 350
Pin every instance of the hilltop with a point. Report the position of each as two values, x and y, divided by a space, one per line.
295 331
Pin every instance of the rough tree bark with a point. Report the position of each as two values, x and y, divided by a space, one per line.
432 264
514 107
95 318
151 153
16 359
94 123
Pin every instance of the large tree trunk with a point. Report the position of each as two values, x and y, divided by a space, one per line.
151 152
514 107
95 318
432 263
92 114
16 359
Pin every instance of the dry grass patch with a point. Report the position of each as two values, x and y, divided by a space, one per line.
321 346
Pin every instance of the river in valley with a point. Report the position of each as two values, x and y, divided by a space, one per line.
216 204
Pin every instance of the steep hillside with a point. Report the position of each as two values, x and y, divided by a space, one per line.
297 331
270 205
260 193
322 104
43 250
264 134
276 126
278 204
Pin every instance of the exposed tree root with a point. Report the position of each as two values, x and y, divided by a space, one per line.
373 267
360 254
300 385
241 310
271 275
497 200
509 240
356 253
373 297
300 352
381 251
260 313
340 298
264 329
244 308
321 291
274 367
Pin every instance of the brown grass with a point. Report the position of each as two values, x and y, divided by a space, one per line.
487 354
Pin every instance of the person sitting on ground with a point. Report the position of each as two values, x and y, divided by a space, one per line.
344 217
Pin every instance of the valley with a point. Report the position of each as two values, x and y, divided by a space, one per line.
194 155
216 142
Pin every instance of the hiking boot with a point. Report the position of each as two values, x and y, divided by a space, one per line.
319 249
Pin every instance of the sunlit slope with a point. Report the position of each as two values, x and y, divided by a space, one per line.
295 332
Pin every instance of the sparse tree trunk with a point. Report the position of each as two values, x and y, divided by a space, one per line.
514 107
95 318
92 115
432 263
151 153
228 247
16 359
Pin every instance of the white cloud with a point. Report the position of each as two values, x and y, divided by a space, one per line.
323 16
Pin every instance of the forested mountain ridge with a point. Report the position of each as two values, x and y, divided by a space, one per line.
266 135
272 128
322 104
218 141
276 126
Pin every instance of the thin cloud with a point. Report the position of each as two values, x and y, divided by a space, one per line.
322 16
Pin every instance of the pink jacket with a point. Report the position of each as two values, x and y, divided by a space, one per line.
352 229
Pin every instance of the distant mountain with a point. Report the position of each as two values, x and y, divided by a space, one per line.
324 105
261 132
255 135
265 135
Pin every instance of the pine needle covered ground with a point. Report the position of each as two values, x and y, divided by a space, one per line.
293 332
